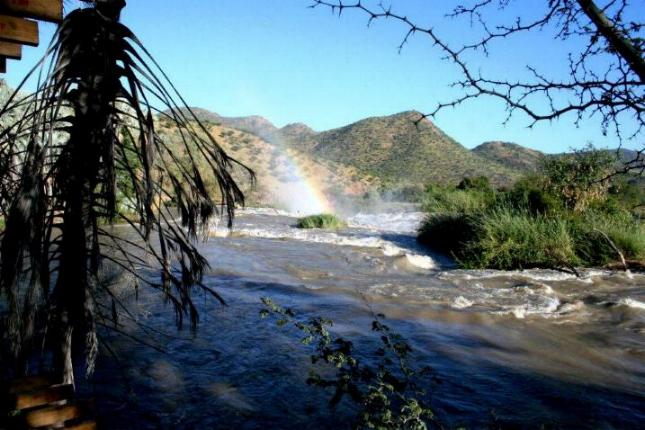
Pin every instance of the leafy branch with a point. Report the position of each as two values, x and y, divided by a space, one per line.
388 395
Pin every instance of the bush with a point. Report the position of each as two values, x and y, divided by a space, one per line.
571 214
528 194
327 221
385 389
506 238
448 232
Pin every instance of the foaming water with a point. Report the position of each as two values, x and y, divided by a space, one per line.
514 349
392 233
399 222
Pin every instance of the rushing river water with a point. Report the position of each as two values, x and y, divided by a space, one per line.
520 349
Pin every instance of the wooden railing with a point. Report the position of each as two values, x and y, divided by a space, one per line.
19 25
36 403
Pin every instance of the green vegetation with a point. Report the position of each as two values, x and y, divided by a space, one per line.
570 214
386 391
326 221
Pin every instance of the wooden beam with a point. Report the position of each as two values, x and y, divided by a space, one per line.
3 65
45 10
18 30
11 50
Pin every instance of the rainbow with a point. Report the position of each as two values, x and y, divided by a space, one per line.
304 196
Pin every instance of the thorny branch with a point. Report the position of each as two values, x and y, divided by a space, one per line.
607 71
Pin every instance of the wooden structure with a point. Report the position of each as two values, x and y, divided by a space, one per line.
36 403
19 25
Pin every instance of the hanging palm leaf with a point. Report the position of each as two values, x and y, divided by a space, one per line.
87 131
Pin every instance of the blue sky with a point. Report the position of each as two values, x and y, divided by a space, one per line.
289 63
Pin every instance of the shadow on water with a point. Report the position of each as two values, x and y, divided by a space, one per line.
240 371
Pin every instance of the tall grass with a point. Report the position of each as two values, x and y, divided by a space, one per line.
507 239
594 231
528 227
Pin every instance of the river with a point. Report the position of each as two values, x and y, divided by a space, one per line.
526 349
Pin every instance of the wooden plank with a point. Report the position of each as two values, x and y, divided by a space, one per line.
85 425
51 394
3 65
45 10
11 50
52 416
18 30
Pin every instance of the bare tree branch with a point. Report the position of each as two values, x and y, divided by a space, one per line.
606 72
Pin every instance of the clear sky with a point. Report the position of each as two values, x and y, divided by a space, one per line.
289 63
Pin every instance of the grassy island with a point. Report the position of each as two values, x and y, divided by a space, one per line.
325 221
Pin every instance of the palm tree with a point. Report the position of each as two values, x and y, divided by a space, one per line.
91 119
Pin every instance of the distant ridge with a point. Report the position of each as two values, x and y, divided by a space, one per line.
396 150
253 124
511 155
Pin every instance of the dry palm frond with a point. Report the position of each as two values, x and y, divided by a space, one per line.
91 120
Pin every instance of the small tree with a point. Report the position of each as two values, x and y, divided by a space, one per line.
580 178
87 133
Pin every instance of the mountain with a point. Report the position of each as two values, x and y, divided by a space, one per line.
388 152
511 155
399 150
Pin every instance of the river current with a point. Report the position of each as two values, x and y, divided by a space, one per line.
526 349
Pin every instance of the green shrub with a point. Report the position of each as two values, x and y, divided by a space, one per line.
327 221
579 178
505 238
592 231
572 214
529 194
